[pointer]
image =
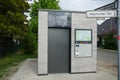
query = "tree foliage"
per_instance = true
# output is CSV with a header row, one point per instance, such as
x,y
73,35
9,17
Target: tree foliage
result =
x,y
12,17
41,4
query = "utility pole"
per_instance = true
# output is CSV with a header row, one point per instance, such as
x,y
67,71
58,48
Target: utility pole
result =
x,y
118,12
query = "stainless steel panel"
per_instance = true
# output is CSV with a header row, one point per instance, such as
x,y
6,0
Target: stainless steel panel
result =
x,y
58,50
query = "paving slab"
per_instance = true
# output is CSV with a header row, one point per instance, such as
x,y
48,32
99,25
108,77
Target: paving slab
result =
x,y
28,71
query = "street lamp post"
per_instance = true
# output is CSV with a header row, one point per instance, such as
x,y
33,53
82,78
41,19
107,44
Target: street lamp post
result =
x,y
118,39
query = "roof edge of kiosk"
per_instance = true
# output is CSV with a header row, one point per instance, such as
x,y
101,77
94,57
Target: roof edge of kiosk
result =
x,y
61,10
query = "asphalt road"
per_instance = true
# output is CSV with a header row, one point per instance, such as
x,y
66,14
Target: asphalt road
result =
x,y
107,56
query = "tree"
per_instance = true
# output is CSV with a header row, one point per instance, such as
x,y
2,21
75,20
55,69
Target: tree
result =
x,y
41,4
12,18
12,25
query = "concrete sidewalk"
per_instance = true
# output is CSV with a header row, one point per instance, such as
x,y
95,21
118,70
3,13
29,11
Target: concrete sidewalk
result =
x,y
28,71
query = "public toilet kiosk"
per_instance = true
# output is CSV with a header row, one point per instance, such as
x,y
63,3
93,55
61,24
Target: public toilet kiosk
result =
x,y
67,42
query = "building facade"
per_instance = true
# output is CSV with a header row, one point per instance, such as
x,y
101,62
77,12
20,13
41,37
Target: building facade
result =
x,y
109,25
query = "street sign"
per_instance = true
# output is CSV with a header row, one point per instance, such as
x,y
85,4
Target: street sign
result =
x,y
101,13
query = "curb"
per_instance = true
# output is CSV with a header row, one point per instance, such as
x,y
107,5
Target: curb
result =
x,y
107,50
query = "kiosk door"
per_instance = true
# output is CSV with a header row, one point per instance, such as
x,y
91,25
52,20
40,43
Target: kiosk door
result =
x,y
58,50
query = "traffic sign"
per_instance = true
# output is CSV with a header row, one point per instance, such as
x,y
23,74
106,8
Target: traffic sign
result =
x,y
101,13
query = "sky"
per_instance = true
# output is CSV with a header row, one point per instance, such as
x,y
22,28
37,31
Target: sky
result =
x,y
82,5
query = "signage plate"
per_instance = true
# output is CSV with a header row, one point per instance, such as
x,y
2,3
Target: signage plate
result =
x,y
101,13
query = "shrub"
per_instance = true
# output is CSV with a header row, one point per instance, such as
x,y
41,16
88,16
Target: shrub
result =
x,y
110,41
30,43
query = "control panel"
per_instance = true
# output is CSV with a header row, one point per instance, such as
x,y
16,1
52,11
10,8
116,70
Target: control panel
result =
x,y
83,43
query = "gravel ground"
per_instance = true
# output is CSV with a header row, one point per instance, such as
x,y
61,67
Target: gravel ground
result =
x,y
28,71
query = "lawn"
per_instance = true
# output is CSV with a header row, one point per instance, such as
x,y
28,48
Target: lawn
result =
x,y
12,60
